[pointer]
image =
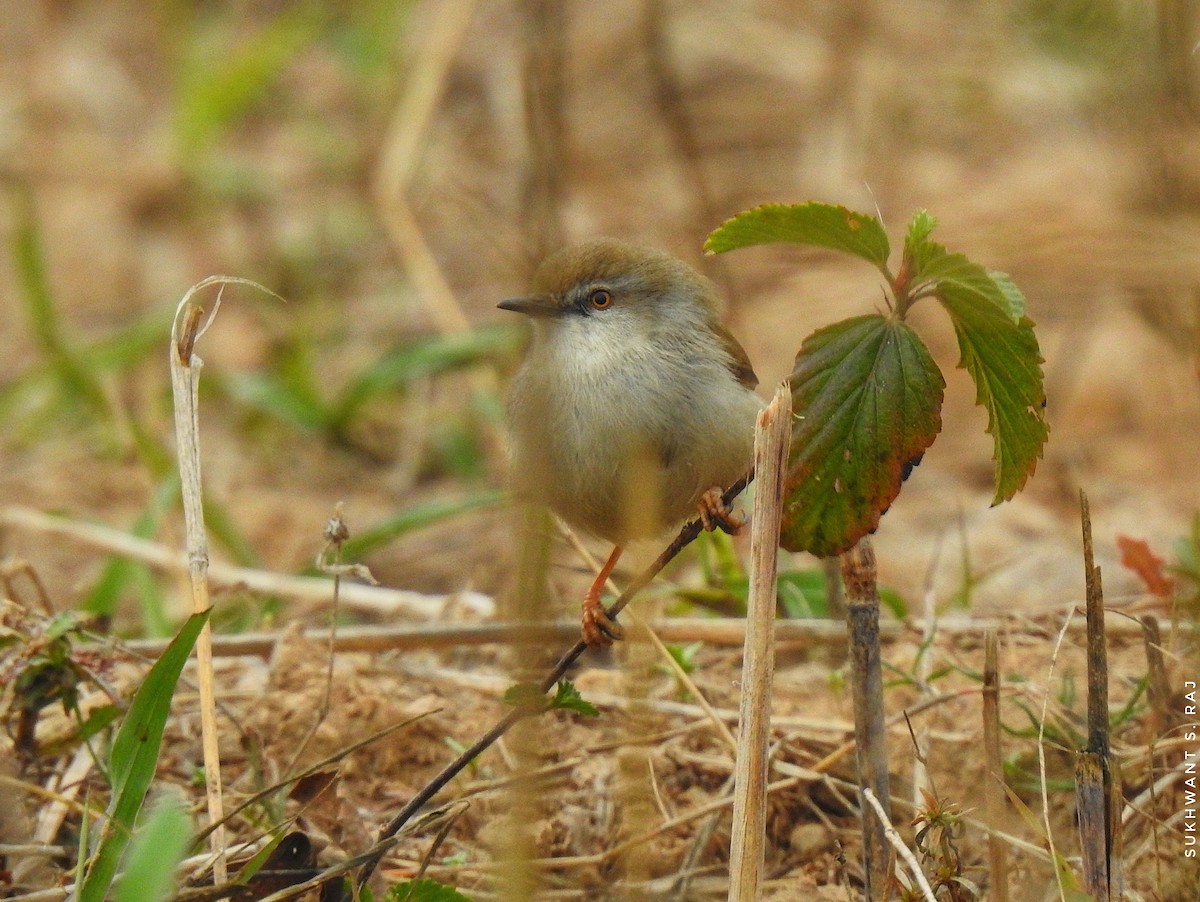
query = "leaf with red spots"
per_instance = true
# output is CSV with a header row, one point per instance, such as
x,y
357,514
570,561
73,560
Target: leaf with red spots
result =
x,y
1137,556
867,400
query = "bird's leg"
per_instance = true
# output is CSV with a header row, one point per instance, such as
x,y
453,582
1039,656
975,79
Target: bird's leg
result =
x,y
598,628
715,513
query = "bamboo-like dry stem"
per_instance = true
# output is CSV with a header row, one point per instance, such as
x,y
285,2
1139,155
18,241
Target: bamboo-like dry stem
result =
x,y
185,382
993,787
870,733
750,781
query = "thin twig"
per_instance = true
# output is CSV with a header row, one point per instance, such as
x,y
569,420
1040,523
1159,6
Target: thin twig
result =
x,y
1041,747
336,534
898,844
375,599
686,535
994,768
652,633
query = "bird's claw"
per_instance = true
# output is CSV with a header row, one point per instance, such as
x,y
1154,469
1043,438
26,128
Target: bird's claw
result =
x,y
599,629
715,513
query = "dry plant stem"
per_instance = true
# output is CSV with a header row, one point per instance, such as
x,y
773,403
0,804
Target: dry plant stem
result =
x,y
898,844
1041,747
185,381
1096,814
1158,689
336,533
311,589
771,435
687,534
870,733
994,764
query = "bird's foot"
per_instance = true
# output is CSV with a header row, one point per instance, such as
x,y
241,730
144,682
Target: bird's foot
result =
x,y
716,514
599,630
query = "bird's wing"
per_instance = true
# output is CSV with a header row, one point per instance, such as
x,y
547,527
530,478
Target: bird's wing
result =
x,y
739,363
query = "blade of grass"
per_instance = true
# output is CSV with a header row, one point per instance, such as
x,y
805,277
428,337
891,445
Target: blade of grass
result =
x,y
134,758
418,517
157,850
119,572
76,379
427,357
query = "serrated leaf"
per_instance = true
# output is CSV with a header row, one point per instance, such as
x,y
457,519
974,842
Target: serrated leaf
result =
x,y
867,399
923,223
823,225
567,698
1004,361
526,695
944,271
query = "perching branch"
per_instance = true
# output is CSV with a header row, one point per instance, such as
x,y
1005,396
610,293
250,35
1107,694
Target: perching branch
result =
x,y
687,534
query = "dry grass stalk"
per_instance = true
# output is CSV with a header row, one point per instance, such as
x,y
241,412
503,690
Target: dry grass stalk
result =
x,y
749,795
993,786
185,383
314,590
870,733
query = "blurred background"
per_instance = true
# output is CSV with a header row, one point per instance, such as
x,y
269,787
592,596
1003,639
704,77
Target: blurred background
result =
x,y
393,169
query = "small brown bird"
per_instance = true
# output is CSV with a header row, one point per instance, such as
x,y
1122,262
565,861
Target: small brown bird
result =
x,y
628,360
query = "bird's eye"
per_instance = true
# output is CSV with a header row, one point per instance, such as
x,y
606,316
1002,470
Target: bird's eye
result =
x,y
600,298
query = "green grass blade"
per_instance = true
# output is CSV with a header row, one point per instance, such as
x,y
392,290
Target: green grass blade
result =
x,y
77,381
427,357
118,572
134,758
415,518
157,850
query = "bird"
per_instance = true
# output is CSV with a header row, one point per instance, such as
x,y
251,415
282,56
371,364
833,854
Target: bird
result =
x,y
628,363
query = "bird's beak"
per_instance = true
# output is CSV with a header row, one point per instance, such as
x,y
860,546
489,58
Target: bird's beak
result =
x,y
531,306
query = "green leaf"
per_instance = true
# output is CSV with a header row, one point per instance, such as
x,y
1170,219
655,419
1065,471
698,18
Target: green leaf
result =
x,y
134,757
823,225
867,400
919,229
941,271
528,696
157,850
425,890
1003,359
567,698
417,517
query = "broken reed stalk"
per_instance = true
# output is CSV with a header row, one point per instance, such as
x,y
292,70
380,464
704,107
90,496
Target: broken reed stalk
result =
x,y
1158,689
994,764
771,436
1097,786
185,381
687,534
870,733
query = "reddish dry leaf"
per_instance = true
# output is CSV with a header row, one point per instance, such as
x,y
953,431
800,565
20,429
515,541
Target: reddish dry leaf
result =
x,y
1137,556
